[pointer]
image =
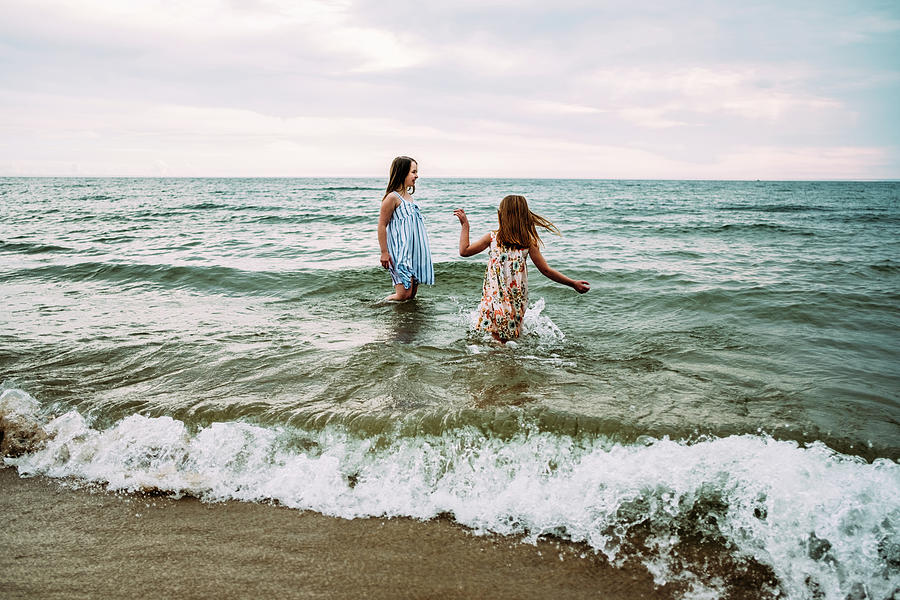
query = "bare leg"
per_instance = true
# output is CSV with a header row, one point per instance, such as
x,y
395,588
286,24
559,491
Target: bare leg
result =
x,y
401,293
414,288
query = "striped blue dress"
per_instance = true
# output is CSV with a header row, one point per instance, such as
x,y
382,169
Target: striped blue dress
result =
x,y
407,243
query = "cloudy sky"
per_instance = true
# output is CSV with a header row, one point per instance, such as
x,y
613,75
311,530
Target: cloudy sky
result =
x,y
787,89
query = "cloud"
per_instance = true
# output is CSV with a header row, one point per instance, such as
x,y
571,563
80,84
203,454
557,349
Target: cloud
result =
x,y
505,88
647,97
651,118
868,27
210,32
772,162
129,139
548,107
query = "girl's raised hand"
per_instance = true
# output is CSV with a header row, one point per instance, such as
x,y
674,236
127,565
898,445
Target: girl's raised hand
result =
x,y
461,215
581,286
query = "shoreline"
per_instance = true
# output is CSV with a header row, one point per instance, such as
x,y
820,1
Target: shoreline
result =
x,y
60,542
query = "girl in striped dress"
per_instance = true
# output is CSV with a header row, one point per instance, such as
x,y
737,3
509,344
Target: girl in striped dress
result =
x,y
401,232
504,295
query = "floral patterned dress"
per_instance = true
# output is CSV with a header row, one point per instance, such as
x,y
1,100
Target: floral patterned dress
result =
x,y
505,292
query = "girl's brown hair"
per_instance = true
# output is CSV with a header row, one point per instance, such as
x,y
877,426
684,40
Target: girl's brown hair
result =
x,y
518,225
400,167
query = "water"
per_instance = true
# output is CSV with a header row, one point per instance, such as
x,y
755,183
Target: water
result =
x,y
731,377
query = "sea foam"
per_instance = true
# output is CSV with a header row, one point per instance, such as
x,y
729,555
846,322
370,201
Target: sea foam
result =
x,y
826,524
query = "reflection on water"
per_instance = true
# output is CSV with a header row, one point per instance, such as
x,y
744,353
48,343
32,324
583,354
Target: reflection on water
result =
x,y
405,321
497,377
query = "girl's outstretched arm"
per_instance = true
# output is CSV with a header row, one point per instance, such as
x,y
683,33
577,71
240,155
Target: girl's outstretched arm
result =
x,y
465,248
388,204
538,259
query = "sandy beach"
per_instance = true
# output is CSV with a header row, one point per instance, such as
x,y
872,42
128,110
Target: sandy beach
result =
x,y
59,542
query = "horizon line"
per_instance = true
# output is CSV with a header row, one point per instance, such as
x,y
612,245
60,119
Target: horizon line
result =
x,y
735,179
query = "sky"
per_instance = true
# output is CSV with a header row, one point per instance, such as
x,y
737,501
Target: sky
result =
x,y
788,89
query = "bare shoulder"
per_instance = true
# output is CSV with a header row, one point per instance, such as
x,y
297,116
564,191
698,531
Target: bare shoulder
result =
x,y
390,200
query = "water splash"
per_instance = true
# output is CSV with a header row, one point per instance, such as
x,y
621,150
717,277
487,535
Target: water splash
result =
x,y
20,429
535,324
540,325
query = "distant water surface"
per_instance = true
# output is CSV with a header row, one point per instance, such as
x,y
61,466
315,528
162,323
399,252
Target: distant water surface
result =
x,y
740,345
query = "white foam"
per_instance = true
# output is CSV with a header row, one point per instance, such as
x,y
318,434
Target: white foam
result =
x,y
540,325
16,403
772,500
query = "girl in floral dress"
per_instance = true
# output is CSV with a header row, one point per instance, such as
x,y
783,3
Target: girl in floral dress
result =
x,y
505,290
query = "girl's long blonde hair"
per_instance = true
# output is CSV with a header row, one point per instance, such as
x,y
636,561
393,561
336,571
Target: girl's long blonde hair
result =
x,y
518,225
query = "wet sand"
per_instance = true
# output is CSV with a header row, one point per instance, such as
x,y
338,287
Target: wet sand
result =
x,y
57,542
